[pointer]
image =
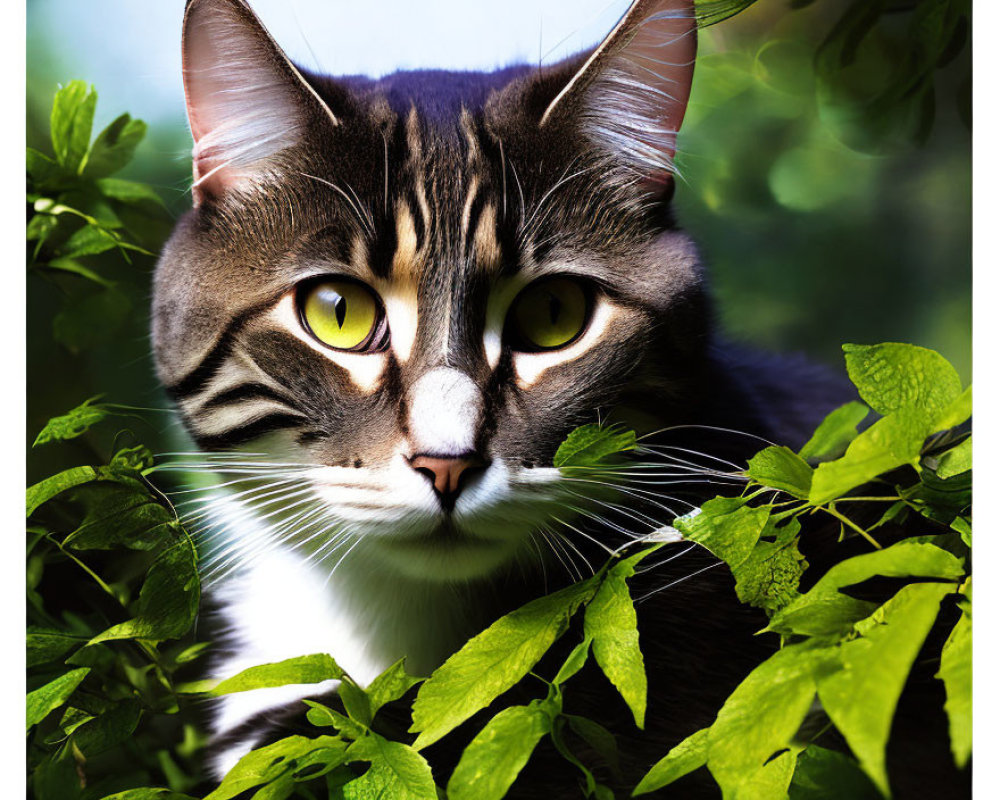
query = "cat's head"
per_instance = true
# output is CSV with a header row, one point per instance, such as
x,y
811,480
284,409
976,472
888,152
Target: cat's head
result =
x,y
409,290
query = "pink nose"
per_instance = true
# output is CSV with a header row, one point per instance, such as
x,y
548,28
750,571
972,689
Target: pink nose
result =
x,y
447,474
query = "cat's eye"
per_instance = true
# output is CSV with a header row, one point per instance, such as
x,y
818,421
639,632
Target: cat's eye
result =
x,y
549,314
343,314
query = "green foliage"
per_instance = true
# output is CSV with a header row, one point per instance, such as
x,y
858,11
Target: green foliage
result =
x,y
110,692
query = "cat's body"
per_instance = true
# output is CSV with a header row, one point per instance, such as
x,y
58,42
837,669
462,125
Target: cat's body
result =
x,y
393,301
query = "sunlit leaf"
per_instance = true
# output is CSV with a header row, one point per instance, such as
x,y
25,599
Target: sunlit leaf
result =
x,y
956,672
837,430
780,468
114,147
49,697
71,123
589,445
686,757
397,771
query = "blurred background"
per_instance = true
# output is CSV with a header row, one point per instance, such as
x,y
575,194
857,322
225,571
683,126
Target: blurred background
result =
x,y
825,161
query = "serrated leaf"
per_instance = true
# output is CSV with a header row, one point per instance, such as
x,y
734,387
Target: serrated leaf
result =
x,y
390,686
726,527
269,763
325,717
891,377
589,445
837,430
493,661
889,443
45,490
956,461
71,123
610,621
684,758
47,645
168,600
120,514
355,702
598,738
498,753
315,668
769,577
762,716
73,423
114,147
109,729
780,468
397,771
956,673
824,609
875,666
46,699
822,774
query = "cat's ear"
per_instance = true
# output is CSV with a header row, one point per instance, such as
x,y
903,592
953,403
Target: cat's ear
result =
x,y
630,95
246,101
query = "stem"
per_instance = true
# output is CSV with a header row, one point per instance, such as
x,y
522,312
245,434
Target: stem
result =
x,y
832,511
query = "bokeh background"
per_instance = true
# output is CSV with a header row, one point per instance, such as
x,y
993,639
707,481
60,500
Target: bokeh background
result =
x,y
825,161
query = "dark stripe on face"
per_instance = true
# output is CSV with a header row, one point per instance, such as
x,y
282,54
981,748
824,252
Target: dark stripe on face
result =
x,y
413,204
478,203
196,379
241,434
245,391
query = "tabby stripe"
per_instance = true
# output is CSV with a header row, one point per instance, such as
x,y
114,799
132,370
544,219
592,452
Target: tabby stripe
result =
x,y
245,391
419,229
196,379
241,434
475,212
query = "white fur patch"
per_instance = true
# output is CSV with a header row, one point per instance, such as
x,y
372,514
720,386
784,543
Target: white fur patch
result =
x,y
445,411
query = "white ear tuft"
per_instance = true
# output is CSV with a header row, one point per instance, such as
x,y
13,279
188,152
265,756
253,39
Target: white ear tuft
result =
x,y
631,94
246,101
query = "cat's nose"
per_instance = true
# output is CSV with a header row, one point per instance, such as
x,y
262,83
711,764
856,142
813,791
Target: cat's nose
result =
x,y
448,474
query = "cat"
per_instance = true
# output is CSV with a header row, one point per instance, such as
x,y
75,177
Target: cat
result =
x,y
392,301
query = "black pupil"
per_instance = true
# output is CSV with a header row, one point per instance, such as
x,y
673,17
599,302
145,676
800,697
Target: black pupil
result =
x,y
340,310
555,308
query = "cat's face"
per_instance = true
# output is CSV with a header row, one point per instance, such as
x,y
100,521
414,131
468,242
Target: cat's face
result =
x,y
410,290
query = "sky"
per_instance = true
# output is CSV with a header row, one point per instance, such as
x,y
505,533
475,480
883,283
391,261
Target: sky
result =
x,y
130,49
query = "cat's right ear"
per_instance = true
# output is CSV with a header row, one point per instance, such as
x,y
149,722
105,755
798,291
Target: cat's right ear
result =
x,y
246,101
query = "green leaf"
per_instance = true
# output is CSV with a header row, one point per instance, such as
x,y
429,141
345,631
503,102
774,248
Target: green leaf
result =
x,y
42,701
597,737
874,667
835,432
355,702
65,264
389,686
324,717
74,423
498,753
56,778
493,661
610,621
824,609
120,514
956,672
590,444
148,794
780,468
957,412
822,774
47,645
168,600
71,123
43,171
891,377
686,757
314,668
45,490
956,461
726,527
397,771
769,577
88,241
762,716
270,763
889,443
574,662
109,729
114,147
130,192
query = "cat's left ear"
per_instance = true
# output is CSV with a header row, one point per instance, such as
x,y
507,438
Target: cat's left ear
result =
x,y
630,95
246,101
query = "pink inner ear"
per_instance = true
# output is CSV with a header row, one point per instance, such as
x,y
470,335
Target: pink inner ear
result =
x,y
661,55
244,99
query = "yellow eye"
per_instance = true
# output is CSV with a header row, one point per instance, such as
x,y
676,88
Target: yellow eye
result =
x,y
343,314
548,314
